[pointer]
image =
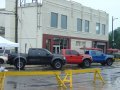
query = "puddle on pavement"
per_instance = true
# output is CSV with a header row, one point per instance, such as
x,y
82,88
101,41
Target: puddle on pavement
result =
x,y
111,76
76,86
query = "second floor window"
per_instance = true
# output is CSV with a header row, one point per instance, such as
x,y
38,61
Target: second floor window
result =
x,y
79,24
86,26
97,28
54,19
103,29
63,21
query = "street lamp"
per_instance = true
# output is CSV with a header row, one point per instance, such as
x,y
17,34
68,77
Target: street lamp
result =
x,y
113,31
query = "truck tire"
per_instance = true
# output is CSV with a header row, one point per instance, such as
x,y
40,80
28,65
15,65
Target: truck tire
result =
x,y
22,64
109,62
1,61
86,63
57,65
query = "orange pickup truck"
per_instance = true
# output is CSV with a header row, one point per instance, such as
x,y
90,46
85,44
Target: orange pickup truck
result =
x,y
73,57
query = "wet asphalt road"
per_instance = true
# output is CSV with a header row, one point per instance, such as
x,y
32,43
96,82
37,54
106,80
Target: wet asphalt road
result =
x,y
111,75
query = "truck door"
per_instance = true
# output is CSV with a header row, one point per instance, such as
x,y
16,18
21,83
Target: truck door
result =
x,y
68,56
73,57
44,57
33,57
76,57
98,56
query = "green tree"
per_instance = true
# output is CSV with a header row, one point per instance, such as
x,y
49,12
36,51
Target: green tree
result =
x,y
116,38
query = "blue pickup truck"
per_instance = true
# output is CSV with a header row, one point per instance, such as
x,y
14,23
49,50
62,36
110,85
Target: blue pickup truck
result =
x,y
100,57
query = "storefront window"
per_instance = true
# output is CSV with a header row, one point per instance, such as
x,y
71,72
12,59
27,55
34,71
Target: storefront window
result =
x,y
55,43
48,44
64,43
60,43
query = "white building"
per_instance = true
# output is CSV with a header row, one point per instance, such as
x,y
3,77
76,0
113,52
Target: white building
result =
x,y
57,24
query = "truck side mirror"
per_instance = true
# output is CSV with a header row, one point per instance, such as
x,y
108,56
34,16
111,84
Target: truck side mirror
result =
x,y
102,54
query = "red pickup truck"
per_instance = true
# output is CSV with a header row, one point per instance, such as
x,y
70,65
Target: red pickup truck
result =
x,y
73,57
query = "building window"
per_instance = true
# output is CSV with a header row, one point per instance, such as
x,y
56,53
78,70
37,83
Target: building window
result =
x,y
2,30
86,26
78,43
103,29
79,24
63,21
83,43
54,19
97,28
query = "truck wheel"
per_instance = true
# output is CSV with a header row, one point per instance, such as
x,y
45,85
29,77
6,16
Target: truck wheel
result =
x,y
57,64
20,65
86,63
103,63
109,62
1,61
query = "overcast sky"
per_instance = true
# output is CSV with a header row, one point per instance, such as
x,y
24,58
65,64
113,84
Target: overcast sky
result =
x,y
110,6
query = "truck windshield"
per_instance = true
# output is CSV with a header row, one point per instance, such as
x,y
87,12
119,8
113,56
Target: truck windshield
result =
x,y
48,51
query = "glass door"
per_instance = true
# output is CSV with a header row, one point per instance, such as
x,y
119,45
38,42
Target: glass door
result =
x,y
56,49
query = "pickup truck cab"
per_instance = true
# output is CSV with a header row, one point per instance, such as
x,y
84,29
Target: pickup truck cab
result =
x,y
36,56
73,57
100,57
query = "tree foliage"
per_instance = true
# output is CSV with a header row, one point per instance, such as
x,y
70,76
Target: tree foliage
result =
x,y
116,38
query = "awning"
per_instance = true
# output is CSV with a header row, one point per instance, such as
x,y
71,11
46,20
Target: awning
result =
x,y
112,50
90,48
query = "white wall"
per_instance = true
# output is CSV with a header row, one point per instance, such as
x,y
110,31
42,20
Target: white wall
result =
x,y
28,32
10,20
2,18
73,11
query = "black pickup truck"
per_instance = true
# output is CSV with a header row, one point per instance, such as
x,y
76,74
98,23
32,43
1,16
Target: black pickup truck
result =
x,y
36,56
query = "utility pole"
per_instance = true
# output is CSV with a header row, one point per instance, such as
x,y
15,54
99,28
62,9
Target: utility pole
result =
x,y
16,24
112,34
113,31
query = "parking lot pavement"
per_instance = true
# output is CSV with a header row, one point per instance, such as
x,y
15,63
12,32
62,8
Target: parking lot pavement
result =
x,y
111,75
